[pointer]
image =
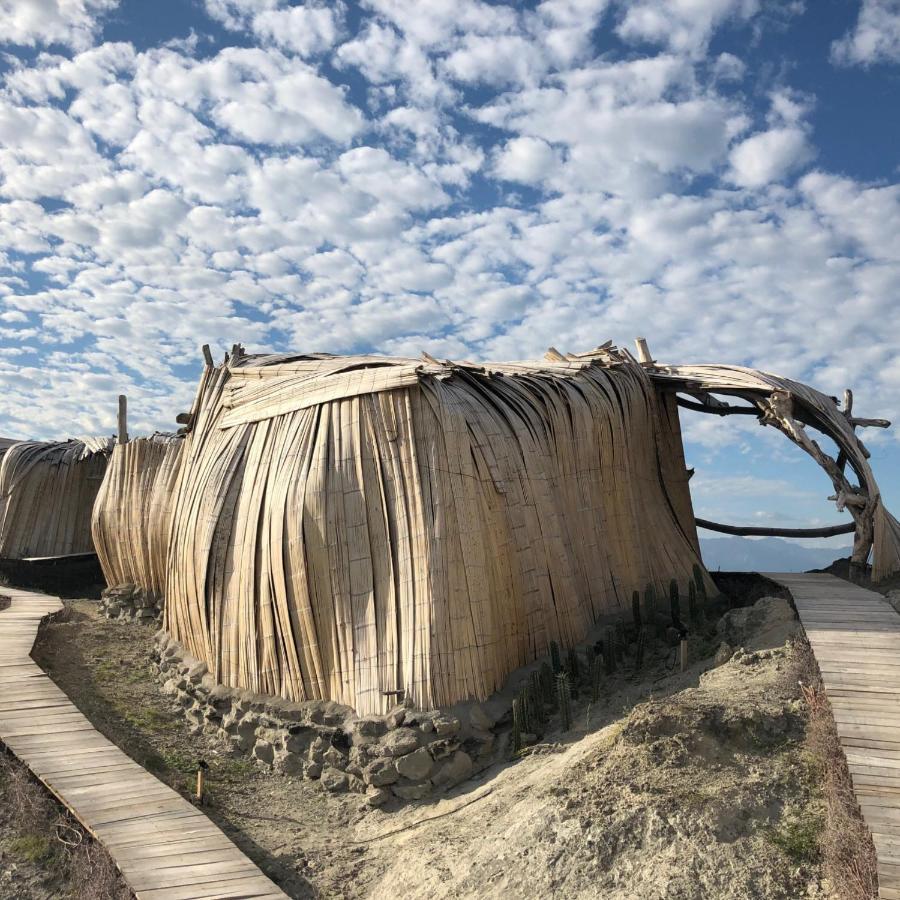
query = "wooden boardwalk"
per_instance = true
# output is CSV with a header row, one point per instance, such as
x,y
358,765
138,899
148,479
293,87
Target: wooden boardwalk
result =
x,y
855,636
165,848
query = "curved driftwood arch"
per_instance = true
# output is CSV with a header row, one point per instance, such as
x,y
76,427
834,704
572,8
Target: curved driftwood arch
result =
x,y
791,407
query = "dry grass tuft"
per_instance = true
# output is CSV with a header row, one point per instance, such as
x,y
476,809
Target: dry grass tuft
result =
x,y
846,843
47,836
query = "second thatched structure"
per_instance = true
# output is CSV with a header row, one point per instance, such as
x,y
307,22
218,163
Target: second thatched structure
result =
x,y
47,491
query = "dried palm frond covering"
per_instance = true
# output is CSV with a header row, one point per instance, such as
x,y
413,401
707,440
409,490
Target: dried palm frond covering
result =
x,y
47,491
364,528
133,511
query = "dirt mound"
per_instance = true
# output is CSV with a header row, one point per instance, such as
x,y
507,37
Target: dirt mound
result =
x,y
766,624
703,794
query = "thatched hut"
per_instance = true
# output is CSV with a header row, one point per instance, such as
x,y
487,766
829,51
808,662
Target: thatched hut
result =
x,y
362,528
133,512
47,491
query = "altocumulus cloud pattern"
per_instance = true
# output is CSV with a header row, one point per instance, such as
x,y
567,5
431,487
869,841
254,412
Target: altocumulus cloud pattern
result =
x,y
478,180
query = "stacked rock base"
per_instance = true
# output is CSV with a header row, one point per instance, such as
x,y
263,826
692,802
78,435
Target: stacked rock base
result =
x,y
404,755
131,603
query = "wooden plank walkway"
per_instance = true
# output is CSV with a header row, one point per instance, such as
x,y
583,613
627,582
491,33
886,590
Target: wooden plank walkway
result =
x,y
165,848
855,636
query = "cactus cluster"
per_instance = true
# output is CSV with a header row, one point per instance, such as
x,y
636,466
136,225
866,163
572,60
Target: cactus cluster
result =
x,y
555,684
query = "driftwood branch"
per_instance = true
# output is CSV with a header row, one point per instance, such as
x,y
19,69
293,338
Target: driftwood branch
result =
x,y
792,407
759,531
719,408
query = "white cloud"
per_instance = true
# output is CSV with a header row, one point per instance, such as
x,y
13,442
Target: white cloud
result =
x,y
525,159
71,23
304,29
497,60
875,38
685,26
768,157
307,29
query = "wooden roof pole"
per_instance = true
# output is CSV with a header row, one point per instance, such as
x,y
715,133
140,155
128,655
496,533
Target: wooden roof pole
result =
x,y
123,419
755,530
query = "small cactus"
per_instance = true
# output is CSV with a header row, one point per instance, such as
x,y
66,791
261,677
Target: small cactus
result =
x,y
621,643
675,604
537,702
636,609
693,613
650,606
517,725
701,591
527,714
555,660
609,650
596,672
547,687
564,699
639,650
573,665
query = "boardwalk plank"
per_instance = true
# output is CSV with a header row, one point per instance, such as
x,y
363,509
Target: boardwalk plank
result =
x,y
165,848
855,636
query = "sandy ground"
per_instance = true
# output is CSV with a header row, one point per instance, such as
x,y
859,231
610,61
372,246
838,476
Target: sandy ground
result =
x,y
692,785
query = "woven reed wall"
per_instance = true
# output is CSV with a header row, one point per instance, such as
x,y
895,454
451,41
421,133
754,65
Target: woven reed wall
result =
x,y
47,491
345,534
133,512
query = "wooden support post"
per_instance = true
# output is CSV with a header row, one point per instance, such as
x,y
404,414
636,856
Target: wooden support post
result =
x,y
207,356
201,782
643,351
684,654
123,419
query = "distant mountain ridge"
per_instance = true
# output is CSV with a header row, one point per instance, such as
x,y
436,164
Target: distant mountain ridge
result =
x,y
738,554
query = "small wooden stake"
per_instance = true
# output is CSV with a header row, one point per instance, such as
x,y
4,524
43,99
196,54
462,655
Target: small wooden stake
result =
x,y
684,655
201,781
123,419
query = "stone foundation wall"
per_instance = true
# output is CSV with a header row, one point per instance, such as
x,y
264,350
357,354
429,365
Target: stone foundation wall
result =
x,y
131,603
404,755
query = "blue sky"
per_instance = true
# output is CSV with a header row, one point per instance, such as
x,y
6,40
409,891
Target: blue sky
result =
x,y
478,180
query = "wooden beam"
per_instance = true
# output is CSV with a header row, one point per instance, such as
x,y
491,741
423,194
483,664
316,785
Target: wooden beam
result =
x,y
207,356
756,531
643,352
722,409
123,419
